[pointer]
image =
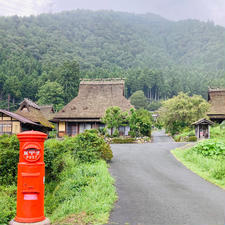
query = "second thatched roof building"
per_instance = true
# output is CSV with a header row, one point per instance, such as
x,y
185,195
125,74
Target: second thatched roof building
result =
x,y
86,110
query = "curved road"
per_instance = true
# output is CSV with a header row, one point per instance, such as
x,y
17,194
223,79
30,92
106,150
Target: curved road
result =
x,y
155,189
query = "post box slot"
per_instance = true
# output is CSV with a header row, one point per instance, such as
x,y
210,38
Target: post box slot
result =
x,y
30,197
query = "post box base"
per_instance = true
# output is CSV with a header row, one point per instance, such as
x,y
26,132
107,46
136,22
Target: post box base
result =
x,y
44,222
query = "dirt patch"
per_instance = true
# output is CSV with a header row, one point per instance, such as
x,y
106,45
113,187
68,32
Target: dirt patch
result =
x,y
75,219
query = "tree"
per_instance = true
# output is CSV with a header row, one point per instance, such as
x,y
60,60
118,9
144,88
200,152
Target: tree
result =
x,y
69,77
140,122
138,100
114,118
51,93
181,111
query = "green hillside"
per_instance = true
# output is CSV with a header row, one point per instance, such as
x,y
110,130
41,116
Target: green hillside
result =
x,y
155,55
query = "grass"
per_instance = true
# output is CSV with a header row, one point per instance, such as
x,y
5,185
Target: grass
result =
x,y
85,194
211,169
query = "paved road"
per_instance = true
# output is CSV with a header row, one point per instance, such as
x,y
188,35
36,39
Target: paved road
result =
x,y
155,189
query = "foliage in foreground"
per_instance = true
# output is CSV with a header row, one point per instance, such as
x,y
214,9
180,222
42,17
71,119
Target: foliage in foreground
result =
x,y
81,188
77,179
181,111
7,203
9,157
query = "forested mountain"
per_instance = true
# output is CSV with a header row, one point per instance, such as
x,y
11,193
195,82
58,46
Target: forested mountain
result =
x,y
155,55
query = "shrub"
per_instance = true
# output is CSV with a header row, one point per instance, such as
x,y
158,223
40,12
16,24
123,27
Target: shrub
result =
x,y
123,140
210,148
52,134
192,138
9,158
140,122
90,147
7,204
53,155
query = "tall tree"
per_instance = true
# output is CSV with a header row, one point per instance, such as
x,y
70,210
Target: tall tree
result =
x,y
68,75
138,100
51,93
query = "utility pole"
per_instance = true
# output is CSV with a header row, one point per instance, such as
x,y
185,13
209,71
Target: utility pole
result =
x,y
8,102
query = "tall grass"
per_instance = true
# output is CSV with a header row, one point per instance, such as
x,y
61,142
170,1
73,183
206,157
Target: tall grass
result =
x,y
211,169
83,188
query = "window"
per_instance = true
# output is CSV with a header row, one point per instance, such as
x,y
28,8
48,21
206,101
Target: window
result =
x,y
5,128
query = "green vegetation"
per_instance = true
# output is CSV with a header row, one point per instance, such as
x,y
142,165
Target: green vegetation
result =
x,y
206,159
181,111
81,188
123,140
140,122
157,56
187,134
9,157
114,118
51,93
138,100
78,184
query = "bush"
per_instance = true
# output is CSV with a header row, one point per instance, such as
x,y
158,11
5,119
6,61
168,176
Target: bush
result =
x,y
52,134
123,140
90,147
210,148
7,204
192,138
9,158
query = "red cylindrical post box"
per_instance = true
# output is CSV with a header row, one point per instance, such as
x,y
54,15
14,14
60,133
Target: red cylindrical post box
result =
x,y
31,177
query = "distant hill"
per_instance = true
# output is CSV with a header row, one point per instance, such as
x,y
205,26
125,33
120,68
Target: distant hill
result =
x,y
109,41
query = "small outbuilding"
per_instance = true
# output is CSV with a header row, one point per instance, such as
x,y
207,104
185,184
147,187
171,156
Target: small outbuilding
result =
x,y
202,128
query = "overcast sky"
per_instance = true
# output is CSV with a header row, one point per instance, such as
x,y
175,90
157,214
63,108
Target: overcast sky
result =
x,y
213,10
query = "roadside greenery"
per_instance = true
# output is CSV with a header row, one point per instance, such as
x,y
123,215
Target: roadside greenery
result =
x,y
207,157
186,135
77,179
207,164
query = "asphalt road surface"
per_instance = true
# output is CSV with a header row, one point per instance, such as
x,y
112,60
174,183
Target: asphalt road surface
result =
x,y
155,189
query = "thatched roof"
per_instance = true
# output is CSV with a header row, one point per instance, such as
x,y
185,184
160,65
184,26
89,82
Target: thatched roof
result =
x,y
47,111
17,117
31,111
94,97
216,98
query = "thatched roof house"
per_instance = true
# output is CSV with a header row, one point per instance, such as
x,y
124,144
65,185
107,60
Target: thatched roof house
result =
x,y
216,98
12,123
86,110
30,110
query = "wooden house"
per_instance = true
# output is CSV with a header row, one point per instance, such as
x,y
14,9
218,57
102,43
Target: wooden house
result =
x,y
12,123
216,98
33,112
86,110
